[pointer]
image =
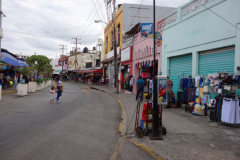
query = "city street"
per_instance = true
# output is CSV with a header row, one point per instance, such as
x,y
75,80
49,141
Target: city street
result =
x,y
83,126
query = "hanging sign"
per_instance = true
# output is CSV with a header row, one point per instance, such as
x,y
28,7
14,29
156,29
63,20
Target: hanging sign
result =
x,y
146,30
162,90
158,39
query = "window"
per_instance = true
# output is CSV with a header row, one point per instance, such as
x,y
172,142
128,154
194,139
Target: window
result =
x,y
118,35
97,62
89,65
106,50
112,40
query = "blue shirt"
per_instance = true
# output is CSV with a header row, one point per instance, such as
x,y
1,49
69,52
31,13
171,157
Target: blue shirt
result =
x,y
140,81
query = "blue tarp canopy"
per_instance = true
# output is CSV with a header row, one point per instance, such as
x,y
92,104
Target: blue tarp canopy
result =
x,y
7,58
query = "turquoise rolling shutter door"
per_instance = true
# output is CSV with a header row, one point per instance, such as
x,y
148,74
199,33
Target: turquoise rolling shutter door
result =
x,y
179,67
216,62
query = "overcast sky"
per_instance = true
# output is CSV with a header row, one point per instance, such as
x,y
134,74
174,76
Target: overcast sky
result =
x,y
42,25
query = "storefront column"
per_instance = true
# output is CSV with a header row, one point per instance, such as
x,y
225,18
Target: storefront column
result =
x,y
237,49
164,61
195,58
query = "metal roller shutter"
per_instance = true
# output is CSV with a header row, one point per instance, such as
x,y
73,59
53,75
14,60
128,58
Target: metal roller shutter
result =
x,y
221,60
179,67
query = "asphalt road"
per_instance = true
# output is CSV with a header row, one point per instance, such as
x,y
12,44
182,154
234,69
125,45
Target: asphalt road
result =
x,y
83,126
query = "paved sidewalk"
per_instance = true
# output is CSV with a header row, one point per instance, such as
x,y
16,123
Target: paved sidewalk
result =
x,y
189,136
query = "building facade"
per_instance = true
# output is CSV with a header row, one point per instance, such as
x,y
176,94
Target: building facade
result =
x,y
199,40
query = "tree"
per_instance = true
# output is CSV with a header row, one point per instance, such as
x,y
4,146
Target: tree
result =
x,y
43,63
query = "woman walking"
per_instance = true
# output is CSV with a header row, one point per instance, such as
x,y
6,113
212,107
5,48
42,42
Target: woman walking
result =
x,y
58,87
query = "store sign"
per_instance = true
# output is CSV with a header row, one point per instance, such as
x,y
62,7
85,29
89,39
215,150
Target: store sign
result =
x,y
111,54
125,54
141,53
146,30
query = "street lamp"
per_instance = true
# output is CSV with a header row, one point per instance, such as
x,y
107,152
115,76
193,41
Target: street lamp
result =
x,y
116,91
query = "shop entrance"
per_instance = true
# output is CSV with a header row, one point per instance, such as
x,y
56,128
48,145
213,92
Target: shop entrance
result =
x,y
179,67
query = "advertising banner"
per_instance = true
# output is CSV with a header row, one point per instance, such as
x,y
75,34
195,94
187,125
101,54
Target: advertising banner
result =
x,y
162,90
147,30
158,39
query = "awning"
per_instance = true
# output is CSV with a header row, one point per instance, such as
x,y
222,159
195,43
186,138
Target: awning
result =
x,y
7,58
91,71
57,72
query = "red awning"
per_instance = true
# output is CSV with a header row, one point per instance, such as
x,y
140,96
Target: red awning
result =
x,y
91,71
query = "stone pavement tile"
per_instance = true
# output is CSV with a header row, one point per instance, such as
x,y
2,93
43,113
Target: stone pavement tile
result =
x,y
189,136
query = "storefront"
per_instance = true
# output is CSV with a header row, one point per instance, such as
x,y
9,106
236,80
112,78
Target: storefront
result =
x,y
126,66
143,59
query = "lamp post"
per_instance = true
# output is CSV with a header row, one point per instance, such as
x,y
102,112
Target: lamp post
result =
x,y
116,89
155,133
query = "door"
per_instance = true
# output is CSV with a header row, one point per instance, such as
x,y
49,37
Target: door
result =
x,y
179,67
220,60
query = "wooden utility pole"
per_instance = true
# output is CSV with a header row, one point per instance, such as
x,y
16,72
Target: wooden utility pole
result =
x,y
75,53
63,47
115,50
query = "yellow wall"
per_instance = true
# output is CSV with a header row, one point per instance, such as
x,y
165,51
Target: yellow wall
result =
x,y
109,29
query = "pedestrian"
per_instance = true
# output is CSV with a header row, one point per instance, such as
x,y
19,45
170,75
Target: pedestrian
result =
x,y
131,83
169,92
58,87
102,80
52,91
140,86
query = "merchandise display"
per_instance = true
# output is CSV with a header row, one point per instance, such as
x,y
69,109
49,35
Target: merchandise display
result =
x,y
218,92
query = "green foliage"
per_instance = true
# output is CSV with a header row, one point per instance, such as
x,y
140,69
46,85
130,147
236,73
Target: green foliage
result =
x,y
39,81
43,65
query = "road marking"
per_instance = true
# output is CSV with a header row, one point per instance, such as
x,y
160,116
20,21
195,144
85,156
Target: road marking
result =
x,y
8,92
87,92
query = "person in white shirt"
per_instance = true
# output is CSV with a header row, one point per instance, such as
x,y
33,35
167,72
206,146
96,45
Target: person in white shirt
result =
x,y
131,83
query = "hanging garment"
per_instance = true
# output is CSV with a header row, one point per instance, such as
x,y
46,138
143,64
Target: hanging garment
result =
x,y
181,83
212,89
205,89
190,85
229,111
185,96
196,81
237,111
205,99
135,65
197,92
179,97
201,81
186,83
201,93
206,81
191,93
218,107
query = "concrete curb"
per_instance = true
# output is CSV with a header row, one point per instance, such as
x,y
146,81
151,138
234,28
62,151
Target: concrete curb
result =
x,y
121,129
8,92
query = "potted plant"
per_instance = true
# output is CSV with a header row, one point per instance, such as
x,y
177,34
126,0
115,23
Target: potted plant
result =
x,y
39,83
22,89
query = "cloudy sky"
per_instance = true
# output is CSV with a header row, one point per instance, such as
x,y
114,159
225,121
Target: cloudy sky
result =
x,y
42,25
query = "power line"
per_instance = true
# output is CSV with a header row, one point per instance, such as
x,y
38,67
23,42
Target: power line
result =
x,y
91,21
46,32
221,17
97,15
136,14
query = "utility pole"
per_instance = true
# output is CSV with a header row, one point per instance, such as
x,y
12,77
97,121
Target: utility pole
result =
x,y
155,133
63,47
76,53
116,89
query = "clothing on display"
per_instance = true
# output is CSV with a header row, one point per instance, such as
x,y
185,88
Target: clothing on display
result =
x,y
230,111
